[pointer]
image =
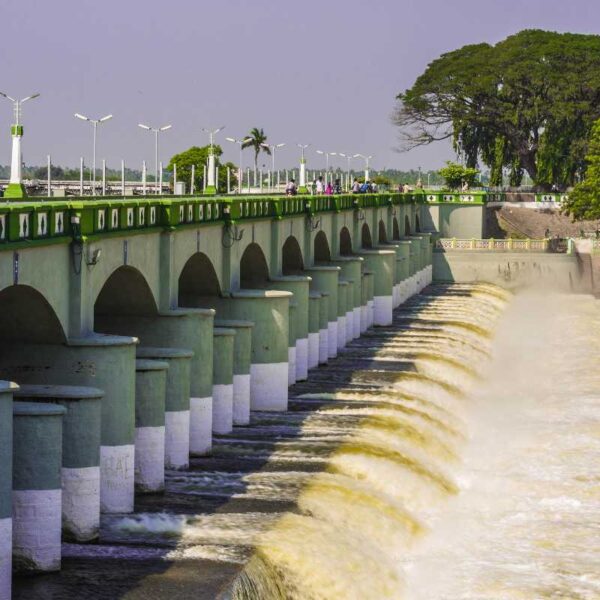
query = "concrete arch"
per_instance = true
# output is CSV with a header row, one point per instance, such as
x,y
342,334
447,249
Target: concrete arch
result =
x,y
26,316
365,234
395,229
382,233
292,262
345,242
125,292
198,280
407,227
322,252
254,269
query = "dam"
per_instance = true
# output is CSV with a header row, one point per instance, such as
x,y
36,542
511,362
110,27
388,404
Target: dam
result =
x,y
289,398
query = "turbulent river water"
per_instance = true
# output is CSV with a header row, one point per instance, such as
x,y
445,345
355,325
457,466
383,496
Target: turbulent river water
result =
x,y
453,455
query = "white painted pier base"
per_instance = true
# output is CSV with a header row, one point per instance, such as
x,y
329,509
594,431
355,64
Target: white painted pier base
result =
x,y
177,439
269,386
150,459
37,529
349,326
81,502
323,346
5,558
241,399
341,332
291,365
370,313
382,310
313,350
117,478
356,320
222,408
332,336
364,317
201,417
301,359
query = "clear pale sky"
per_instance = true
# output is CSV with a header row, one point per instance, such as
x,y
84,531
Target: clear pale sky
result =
x,y
323,72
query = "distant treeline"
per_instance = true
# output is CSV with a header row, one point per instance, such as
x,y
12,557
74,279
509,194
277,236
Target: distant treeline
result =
x,y
67,174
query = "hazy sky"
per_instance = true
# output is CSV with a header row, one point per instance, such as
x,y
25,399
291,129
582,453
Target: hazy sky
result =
x,y
323,72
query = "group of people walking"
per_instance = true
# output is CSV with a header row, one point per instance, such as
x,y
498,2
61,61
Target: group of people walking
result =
x,y
319,187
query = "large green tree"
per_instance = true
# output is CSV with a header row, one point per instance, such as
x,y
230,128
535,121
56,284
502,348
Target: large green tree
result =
x,y
198,156
584,201
525,104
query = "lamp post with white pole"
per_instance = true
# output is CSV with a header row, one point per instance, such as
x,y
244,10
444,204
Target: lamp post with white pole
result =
x,y
95,123
15,188
366,159
348,157
272,148
327,155
240,143
302,183
211,184
155,131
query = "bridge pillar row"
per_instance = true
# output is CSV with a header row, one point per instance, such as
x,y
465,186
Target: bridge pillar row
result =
x,y
351,270
269,311
314,301
323,327
382,263
223,343
242,354
7,389
342,332
299,285
402,270
325,279
292,342
150,397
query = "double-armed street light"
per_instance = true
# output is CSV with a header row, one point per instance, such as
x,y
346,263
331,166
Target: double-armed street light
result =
x,y
95,123
211,186
366,159
302,182
240,143
273,148
15,185
156,131
327,155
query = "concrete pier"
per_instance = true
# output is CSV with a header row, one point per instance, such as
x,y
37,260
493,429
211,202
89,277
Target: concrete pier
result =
x,y
342,334
80,471
314,304
382,263
150,398
223,356
293,309
324,327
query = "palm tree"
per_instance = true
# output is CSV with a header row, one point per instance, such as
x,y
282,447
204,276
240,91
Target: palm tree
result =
x,y
257,139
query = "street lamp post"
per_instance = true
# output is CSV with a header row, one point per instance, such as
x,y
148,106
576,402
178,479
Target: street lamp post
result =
x,y
366,159
327,155
240,143
272,148
95,123
15,188
348,157
155,131
302,183
211,185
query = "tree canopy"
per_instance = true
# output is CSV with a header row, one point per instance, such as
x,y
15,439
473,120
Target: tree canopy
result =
x,y
526,104
455,175
198,156
257,140
584,201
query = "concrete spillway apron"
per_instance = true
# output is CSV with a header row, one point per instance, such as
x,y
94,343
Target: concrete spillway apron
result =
x,y
80,472
324,327
242,353
150,397
382,263
325,279
351,270
7,389
269,311
177,403
314,303
37,458
299,285
223,352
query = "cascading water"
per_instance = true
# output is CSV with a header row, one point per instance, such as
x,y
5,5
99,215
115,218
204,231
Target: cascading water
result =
x,y
431,460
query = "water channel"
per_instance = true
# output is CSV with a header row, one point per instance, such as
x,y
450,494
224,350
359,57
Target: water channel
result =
x,y
452,455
